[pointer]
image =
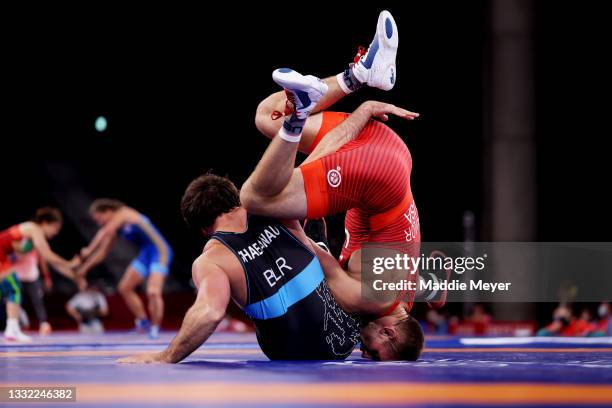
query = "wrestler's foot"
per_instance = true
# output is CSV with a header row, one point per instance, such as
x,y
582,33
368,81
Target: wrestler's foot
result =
x,y
141,326
154,332
44,329
376,66
303,91
16,335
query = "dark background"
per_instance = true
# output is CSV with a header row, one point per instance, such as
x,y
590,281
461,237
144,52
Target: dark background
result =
x,y
179,88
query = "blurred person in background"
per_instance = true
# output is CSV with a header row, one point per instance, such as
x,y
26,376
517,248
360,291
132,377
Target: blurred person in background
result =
x,y
560,326
566,324
151,265
584,325
17,241
479,315
28,269
87,308
603,326
480,318
436,322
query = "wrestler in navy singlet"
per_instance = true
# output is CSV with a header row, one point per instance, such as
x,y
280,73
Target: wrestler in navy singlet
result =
x,y
288,299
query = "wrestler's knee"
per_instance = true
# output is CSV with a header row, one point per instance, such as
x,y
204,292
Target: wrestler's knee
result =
x,y
264,120
154,292
248,197
155,284
124,288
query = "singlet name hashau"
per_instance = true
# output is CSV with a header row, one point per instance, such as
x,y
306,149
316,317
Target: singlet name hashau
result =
x,y
256,249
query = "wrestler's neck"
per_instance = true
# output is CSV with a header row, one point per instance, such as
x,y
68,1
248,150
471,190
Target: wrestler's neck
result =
x,y
232,221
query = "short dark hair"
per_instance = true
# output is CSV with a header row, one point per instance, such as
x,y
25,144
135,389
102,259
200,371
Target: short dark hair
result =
x,y
105,204
206,198
48,215
409,345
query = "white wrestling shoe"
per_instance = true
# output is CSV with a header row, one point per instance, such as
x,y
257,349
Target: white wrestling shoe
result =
x,y
16,335
376,67
303,91
154,332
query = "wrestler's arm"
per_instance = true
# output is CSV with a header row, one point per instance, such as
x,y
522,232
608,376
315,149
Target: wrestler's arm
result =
x,y
97,256
122,216
33,232
201,319
73,312
346,290
103,241
94,244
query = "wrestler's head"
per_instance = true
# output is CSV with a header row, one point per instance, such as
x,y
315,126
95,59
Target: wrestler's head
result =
x,y
49,220
393,337
103,209
206,199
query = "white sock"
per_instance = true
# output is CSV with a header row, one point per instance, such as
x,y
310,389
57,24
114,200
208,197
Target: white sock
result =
x,y
292,128
348,81
342,84
289,137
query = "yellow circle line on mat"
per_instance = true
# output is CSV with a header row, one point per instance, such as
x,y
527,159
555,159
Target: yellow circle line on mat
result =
x,y
345,393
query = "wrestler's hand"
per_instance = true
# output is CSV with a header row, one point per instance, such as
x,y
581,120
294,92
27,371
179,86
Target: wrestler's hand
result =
x,y
382,110
147,358
80,271
84,252
75,261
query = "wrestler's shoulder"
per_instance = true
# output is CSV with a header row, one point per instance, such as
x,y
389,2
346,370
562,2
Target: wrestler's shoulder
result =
x,y
213,249
213,255
217,253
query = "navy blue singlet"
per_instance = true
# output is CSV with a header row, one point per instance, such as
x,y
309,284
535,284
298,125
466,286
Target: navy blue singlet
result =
x,y
288,299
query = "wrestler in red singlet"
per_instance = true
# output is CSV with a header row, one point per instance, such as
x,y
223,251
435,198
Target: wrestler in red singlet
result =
x,y
369,178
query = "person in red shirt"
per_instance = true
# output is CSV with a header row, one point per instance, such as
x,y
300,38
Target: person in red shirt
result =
x,y
21,239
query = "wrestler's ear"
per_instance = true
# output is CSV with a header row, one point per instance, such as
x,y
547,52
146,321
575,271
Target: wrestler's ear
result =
x,y
389,331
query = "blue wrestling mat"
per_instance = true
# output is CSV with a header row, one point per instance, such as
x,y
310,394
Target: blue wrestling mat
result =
x,y
230,370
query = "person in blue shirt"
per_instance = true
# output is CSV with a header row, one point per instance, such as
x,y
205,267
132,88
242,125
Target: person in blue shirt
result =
x,y
151,265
